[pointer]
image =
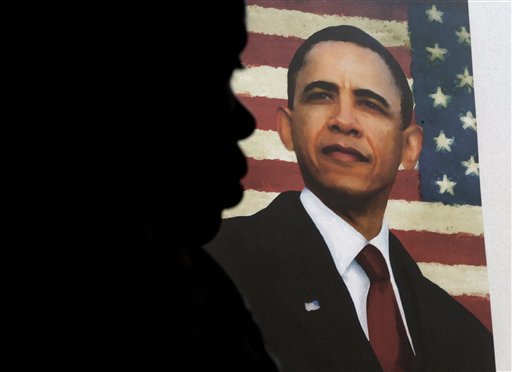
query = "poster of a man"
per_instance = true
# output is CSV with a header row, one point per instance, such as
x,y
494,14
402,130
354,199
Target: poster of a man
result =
x,y
331,287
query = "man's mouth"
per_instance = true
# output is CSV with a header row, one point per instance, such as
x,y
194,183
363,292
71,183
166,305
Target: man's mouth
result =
x,y
342,153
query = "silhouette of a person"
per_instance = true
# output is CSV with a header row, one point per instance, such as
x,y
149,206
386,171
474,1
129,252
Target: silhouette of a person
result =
x,y
169,166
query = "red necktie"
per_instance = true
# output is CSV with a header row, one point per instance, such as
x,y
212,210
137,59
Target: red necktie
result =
x,y
386,330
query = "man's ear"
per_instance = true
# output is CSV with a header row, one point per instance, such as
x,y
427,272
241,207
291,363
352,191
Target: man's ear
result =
x,y
284,126
413,140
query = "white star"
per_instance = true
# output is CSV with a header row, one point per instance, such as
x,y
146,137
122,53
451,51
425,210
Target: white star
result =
x,y
445,185
436,52
464,36
468,121
440,99
466,80
443,142
471,166
434,14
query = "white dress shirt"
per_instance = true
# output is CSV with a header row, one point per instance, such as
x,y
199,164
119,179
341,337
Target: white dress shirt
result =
x,y
345,243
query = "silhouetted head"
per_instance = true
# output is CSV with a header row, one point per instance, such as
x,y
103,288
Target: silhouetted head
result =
x,y
166,115
189,120
219,119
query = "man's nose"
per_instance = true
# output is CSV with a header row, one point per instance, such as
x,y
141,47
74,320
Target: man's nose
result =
x,y
343,120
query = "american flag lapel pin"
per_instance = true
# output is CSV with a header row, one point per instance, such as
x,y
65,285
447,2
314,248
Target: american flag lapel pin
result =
x,y
312,306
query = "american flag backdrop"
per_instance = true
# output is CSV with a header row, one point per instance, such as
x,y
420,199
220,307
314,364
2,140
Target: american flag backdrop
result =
x,y
434,210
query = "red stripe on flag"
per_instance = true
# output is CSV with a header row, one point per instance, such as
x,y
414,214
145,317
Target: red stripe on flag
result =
x,y
277,51
272,176
448,249
377,10
407,186
279,176
479,307
271,50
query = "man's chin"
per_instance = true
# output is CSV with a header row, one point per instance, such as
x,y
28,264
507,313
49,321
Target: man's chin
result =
x,y
211,228
204,227
348,188
232,195
212,220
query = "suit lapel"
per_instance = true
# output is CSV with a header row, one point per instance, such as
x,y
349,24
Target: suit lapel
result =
x,y
315,280
406,275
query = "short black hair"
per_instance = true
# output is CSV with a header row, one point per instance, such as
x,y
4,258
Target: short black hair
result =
x,y
357,36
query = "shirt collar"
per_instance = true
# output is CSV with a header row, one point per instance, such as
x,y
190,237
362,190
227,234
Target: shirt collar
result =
x,y
344,242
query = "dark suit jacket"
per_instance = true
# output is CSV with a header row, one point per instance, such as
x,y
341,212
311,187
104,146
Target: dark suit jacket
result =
x,y
279,261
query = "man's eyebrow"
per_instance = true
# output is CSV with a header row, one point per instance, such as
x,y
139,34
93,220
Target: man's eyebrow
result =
x,y
324,85
371,94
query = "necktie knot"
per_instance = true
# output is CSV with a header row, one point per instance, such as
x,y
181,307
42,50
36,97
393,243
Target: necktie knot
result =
x,y
373,263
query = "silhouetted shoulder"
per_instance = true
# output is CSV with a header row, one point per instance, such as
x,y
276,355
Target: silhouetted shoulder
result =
x,y
218,329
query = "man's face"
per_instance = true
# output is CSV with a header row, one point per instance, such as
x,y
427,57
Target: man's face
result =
x,y
345,126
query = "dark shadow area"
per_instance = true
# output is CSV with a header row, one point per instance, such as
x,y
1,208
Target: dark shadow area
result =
x,y
162,164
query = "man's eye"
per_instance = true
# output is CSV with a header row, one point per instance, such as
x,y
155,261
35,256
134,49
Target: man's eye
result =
x,y
319,96
372,106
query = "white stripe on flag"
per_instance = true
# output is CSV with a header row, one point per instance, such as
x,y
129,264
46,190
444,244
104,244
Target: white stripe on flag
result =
x,y
457,279
434,217
283,22
401,214
263,81
266,144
